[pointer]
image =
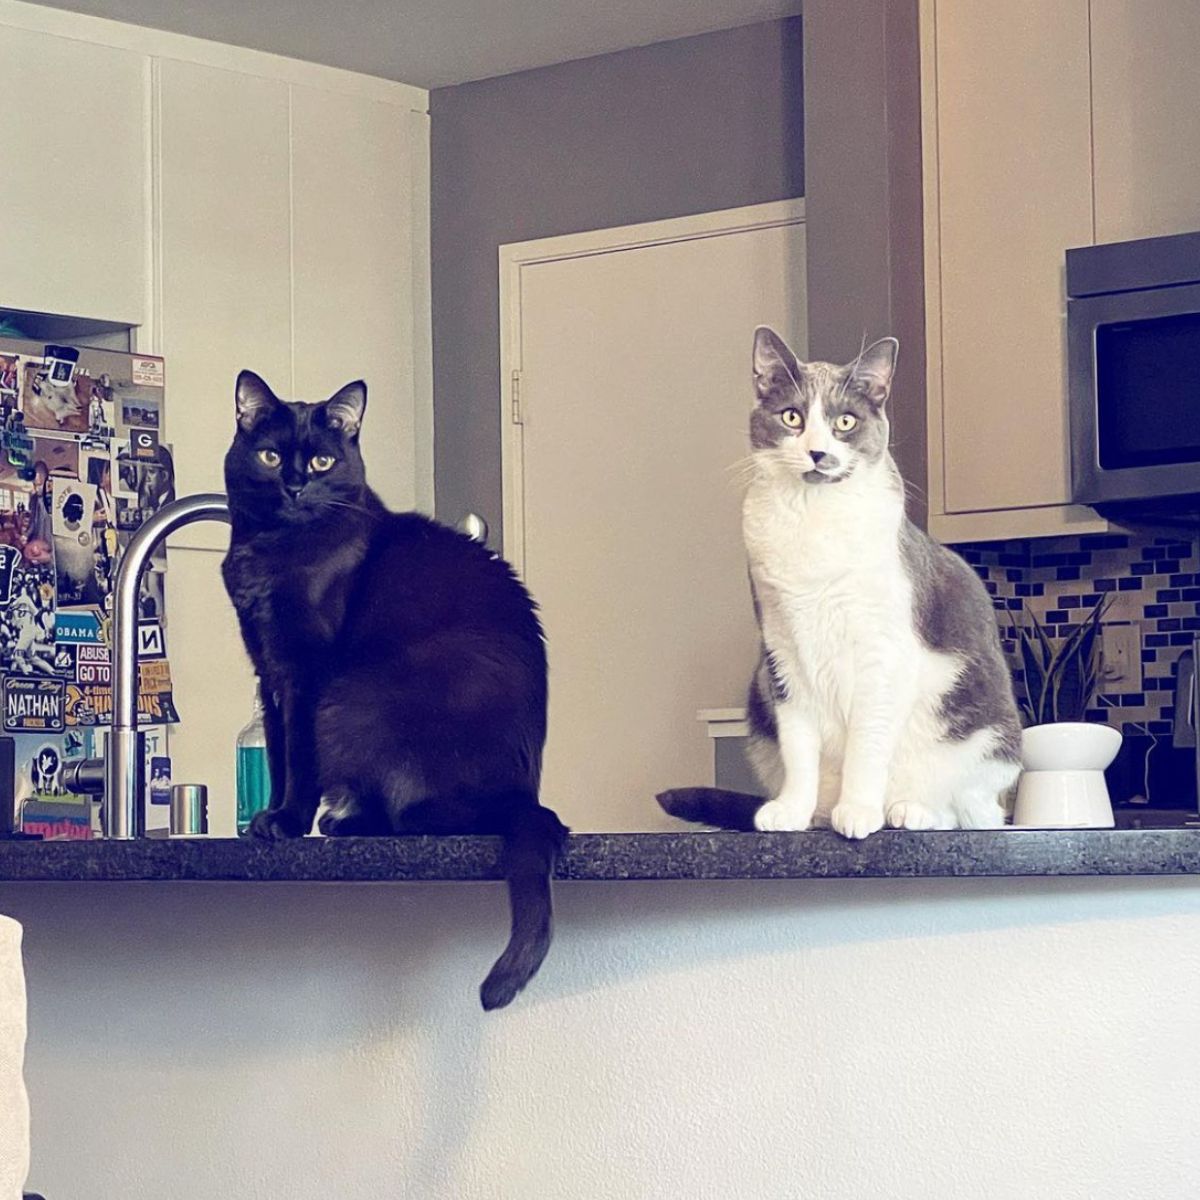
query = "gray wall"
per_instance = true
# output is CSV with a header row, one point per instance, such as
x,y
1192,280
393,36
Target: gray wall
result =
x,y
863,208
680,127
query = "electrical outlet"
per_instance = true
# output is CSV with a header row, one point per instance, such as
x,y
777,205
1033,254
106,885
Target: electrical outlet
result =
x,y
1121,667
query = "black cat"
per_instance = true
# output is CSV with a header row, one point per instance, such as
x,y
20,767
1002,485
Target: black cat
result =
x,y
403,666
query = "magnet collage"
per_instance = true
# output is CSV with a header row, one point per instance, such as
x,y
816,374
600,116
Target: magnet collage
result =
x,y
82,465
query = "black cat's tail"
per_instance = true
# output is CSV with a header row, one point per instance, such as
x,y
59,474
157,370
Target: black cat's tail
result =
x,y
712,806
534,838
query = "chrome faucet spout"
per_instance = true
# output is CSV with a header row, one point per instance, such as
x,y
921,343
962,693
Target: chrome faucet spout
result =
x,y
124,792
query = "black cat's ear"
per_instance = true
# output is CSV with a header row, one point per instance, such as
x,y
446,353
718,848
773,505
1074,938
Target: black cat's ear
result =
x,y
254,400
775,366
344,409
872,371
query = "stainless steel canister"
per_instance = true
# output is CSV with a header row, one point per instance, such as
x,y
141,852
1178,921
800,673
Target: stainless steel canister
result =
x,y
189,809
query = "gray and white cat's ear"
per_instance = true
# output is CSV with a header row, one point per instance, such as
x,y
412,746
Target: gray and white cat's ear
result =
x,y
775,366
872,371
254,400
345,408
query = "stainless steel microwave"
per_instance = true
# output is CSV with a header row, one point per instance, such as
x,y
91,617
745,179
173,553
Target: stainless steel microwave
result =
x,y
1133,332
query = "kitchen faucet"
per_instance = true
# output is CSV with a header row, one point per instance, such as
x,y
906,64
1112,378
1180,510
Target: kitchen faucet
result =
x,y
121,773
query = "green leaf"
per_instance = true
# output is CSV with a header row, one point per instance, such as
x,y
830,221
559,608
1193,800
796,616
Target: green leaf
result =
x,y
1036,653
1061,679
1069,690
1035,674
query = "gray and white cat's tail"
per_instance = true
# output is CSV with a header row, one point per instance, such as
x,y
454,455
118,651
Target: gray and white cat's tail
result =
x,y
534,838
712,806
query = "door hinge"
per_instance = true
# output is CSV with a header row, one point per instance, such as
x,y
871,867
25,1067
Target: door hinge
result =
x,y
516,398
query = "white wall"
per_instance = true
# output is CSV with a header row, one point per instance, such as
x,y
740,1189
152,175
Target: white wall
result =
x,y
990,1039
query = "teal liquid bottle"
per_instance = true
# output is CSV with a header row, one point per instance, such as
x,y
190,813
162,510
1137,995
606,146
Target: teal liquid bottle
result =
x,y
253,771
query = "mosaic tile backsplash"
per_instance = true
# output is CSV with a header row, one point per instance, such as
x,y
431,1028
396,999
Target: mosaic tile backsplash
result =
x,y
1154,581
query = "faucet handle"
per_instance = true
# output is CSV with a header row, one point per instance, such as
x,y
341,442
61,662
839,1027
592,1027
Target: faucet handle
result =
x,y
474,526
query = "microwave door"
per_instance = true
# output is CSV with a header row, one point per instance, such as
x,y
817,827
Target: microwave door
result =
x,y
1134,380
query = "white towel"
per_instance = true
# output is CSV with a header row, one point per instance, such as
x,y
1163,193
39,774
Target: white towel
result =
x,y
14,1104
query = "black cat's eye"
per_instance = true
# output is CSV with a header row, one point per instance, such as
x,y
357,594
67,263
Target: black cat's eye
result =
x,y
792,418
269,458
321,462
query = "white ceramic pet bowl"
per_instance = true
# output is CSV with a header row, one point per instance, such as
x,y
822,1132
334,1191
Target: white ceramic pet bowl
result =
x,y
1069,746
1062,786
1063,800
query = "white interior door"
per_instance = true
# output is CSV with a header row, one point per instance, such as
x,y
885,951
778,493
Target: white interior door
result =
x,y
633,350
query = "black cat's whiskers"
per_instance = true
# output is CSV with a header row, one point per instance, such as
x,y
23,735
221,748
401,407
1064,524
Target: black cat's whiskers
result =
x,y
331,502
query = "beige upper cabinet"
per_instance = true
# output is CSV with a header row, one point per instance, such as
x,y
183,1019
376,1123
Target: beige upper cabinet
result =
x,y
225,246
73,189
1007,140
353,259
1146,117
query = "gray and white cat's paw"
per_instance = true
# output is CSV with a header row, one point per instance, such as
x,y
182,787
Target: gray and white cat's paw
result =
x,y
782,816
980,812
854,819
912,814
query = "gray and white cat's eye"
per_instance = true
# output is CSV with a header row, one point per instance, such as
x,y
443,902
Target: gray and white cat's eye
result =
x,y
269,458
792,418
844,422
320,463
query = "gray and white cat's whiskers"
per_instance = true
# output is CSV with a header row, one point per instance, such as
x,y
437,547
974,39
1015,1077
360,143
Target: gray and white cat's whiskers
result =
x,y
743,470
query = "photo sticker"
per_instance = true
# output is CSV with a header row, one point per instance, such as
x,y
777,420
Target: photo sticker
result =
x,y
27,624
137,410
160,779
73,506
56,402
81,552
145,484
101,422
10,379
58,455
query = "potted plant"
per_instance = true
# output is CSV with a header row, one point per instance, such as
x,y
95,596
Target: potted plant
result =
x,y
1064,755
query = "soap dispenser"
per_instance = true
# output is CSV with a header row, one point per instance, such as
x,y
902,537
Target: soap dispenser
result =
x,y
253,770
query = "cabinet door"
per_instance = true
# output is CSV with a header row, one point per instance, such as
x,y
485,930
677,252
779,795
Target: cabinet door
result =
x,y
1014,187
1146,117
73,186
225,246
225,305
353,263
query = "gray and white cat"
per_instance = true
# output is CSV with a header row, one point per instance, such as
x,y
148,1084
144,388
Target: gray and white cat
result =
x,y
882,694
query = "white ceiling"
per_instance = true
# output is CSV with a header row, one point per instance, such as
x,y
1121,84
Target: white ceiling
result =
x,y
432,43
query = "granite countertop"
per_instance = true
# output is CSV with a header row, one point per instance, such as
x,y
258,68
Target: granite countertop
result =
x,y
616,856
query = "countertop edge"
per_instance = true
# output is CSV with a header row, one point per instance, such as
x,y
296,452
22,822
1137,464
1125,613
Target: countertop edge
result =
x,y
616,857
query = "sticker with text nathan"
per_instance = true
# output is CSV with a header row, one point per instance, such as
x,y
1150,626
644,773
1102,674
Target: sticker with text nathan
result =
x,y
34,705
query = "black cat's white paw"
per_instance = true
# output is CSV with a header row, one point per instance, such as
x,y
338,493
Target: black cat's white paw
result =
x,y
343,814
276,825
